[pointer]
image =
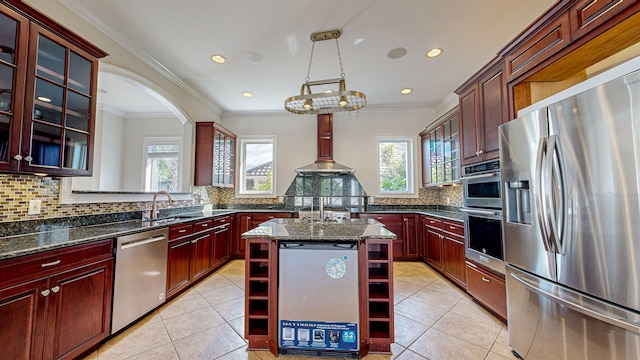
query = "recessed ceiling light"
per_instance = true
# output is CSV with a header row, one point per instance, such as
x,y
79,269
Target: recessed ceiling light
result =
x,y
434,52
253,57
247,94
397,53
219,59
44,99
406,91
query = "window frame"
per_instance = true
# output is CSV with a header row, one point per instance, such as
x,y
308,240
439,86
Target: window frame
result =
x,y
411,165
241,191
161,140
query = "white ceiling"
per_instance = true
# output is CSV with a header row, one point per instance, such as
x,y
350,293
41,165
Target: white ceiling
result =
x,y
180,36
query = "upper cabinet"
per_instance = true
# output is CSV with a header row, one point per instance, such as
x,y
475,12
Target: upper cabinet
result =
x,y
483,107
48,83
440,151
215,159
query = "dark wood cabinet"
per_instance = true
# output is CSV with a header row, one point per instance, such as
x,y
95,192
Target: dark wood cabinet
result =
x,y
586,15
454,252
51,103
539,46
215,160
222,239
40,298
410,235
247,221
202,244
488,288
433,241
441,150
179,258
396,224
443,241
261,294
378,277
483,108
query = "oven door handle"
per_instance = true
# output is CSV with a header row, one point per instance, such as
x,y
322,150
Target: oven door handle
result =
x,y
479,212
481,176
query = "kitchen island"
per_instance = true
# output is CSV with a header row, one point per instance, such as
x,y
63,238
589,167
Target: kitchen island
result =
x,y
302,279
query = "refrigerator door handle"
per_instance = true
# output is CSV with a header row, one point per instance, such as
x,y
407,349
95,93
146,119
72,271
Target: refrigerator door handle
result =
x,y
553,200
540,213
561,296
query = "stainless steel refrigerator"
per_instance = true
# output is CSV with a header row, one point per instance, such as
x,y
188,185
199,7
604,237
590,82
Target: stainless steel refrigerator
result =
x,y
571,224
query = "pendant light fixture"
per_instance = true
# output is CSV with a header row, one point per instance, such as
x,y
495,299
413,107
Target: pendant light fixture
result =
x,y
328,101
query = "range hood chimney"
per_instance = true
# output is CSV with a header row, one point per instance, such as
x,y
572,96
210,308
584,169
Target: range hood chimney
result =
x,y
324,163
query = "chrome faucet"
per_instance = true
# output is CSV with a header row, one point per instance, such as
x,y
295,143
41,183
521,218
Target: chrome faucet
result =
x,y
154,206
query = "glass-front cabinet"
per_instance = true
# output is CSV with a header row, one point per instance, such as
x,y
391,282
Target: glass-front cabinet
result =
x,y
47,95
14,29
440,151
215,159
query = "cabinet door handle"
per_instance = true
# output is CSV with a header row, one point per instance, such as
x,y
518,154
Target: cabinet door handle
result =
x,y
55,289
28,158
485,279
50,264
452,227
18,157
45,292
182,231
205,225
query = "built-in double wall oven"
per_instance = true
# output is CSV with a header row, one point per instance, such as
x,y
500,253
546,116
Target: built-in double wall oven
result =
x,y
483,214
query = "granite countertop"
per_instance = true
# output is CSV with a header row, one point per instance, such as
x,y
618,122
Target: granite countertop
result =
x,y
59,236
302,229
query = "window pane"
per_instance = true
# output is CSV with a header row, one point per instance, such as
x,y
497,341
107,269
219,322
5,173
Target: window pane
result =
x,y
45,148
257,166
51,60
77,111
6,87
393,166
48,103
75,150
8,30
162,167
79,73
5,132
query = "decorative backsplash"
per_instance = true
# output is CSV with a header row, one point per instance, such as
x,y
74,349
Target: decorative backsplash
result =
x,y
17,189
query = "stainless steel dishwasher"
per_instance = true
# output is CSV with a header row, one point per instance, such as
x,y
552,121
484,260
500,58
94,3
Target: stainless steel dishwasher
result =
x,y
318,298
140,276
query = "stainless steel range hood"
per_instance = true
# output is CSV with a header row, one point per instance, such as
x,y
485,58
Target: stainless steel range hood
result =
x,y
324,163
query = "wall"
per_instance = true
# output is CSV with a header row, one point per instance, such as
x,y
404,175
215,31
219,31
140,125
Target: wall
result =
x,y
354,139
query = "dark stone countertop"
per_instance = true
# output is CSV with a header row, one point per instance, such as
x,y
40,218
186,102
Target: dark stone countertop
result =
x,y
334,231
49,236
63,235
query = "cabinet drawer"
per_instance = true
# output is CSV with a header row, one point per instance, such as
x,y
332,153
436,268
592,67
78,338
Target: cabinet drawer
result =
x,y
180,230
453,227
383,218
221,221
31,266
587,15
432,222
487,288
539,47
262,217
202,225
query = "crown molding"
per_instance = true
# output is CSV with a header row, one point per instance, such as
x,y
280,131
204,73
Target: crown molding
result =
x,y
82,10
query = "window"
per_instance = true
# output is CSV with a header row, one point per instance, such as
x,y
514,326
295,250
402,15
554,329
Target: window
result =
x,y
162,164
395,165
257,166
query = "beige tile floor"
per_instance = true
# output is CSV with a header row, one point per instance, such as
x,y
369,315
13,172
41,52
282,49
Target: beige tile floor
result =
x,y
433,320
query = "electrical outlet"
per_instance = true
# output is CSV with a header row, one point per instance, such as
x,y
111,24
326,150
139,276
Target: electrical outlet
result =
x,y
34,206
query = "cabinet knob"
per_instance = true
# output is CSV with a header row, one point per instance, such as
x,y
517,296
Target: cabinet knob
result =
x,y
485,279
194,241
50,264
55,289
18,157
28,158
480,152
45,292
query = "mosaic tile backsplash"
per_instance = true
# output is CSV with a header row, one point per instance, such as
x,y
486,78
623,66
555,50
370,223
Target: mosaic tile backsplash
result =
x,y
17,189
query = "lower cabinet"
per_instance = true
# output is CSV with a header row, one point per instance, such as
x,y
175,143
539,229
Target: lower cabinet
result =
x,y
487,288
443,241
222,239
56,304
405,226
247,221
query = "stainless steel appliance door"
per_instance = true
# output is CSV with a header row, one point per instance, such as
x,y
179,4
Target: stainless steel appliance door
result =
x,y
483,237
549,321
140,276
313,285
522,151
598,162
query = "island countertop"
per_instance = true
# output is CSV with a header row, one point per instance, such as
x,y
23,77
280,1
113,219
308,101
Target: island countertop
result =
x,y
287,229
